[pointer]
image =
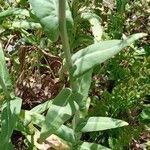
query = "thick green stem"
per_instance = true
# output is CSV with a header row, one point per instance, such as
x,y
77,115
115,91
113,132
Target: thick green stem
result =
x,y
63,33
66,49
65,40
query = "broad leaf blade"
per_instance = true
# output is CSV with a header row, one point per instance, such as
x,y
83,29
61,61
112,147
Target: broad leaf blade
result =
x,y
42,107
3,71
27,117
14,11
60,111
62,98
84,83
24,24
53,122
99,124
47,13
10,112
95,24
95,54
66,134
91,146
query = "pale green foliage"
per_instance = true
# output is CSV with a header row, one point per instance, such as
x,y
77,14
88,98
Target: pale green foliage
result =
x,y
90,146
10,108
10,112
97,53
95,22
98,124
4,75
48,16
62,108
65,115
14,11
23,24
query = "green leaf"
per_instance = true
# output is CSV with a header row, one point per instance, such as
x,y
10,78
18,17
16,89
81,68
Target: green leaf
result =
x,y
42,107
85,40
47,13
24,129
14,11
24,24
56,116
4,75
91,146
84,83
66,134
95,54
37,119
10,112
63,107
145,115
99,124
62,98
28,117
95,24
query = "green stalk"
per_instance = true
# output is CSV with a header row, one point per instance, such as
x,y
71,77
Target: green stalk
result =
x,y
65,41
63,33
66,49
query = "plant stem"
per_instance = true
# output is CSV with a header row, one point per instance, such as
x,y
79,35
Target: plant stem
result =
x,y
63,33
66,49
65,41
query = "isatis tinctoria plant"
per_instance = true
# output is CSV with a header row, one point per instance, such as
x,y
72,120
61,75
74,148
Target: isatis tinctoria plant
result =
x,y
65,115
55,17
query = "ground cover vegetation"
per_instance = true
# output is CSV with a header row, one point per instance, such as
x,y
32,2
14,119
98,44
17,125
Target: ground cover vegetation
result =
x,y
75,75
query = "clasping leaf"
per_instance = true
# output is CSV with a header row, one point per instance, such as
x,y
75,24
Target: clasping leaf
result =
x,y
97,53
